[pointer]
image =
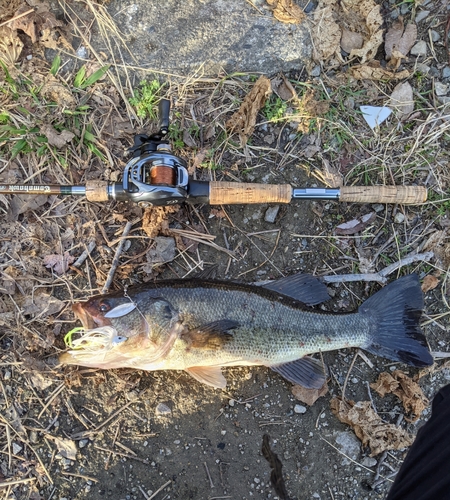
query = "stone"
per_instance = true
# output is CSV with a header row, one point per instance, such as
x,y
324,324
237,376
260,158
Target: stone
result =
x,y
349,444
435,36
423,14
399,217
419,49
440,88
422,68
446,72
209,37
271,213
299,409
315,72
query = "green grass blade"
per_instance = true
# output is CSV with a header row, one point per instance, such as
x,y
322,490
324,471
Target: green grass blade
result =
x,y
56,64
79,77
95,77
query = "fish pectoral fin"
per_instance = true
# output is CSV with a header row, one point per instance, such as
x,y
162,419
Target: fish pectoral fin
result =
x,y
302,287
308,372
209,375
210,336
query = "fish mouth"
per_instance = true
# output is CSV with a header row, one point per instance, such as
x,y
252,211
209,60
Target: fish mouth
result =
x,y
87,319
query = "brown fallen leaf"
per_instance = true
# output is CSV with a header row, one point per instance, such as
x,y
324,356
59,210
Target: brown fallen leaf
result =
x,y
57,92
374,71
430,282
66,447
369,428
10,46
283,88
326,34
243,121
402,99
287,11
35,22
309,396
408,391
55,138
357,24
399,38
351,40
59,263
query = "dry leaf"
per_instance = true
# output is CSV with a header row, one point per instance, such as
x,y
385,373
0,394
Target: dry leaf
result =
x,y
34,22
55,138
283,88
355,225
287,11
10,46
374,71
243,121
402,99
42,304
408,391
351,40
369,427
400,39
155,220
59,263
355,23
326,33
309,396
66,447
430,282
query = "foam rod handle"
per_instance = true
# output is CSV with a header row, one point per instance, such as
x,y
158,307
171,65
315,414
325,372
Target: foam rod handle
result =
x,y
406,195
233,193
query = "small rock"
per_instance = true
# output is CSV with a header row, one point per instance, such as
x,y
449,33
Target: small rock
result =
x,y
423,14
299,409
349,444
435,36
440,88
349,103
16,448
232,402
163,410
395,13
419,49
82,443
444,99
271,214
445,72
434,72
315,72
33,437
423,68
378,207
399,218
369,461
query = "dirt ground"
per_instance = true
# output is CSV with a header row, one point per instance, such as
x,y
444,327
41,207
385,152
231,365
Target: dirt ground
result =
x,y
78,433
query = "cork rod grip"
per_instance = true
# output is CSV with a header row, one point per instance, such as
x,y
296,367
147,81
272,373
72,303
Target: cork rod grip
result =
x,y
233,193
97,190
405,195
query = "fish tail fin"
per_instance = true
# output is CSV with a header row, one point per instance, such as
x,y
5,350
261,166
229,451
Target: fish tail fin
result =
x,y
394,313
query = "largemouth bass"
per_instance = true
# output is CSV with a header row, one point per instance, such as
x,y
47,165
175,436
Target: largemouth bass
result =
x,y
202,325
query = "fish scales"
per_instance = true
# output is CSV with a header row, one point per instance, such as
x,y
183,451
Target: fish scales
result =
x,y
273,328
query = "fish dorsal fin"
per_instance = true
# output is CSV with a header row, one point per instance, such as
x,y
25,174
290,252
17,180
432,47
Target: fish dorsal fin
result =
x,y
210,336
302,287
209,375
308,372
209,273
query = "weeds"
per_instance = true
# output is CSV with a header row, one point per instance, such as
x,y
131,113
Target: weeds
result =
x,y
146,98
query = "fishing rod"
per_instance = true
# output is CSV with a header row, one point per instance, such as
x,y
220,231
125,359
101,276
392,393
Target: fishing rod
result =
x,y
156,177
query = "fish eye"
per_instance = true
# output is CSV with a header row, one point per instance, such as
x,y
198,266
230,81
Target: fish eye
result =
x,y
104,307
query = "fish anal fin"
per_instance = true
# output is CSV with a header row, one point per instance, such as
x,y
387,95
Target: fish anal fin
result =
x,y
210,336
209,375
302,287
308,372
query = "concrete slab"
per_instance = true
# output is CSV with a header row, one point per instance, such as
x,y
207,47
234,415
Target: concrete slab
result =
x,y
180,37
